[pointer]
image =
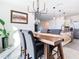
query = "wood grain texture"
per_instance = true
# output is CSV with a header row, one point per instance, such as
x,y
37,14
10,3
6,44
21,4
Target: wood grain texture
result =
x,y
50,39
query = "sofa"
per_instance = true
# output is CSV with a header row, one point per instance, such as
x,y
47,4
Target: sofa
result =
x,y
54,31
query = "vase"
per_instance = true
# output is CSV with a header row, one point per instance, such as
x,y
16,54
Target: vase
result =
x,y
36,27
4,42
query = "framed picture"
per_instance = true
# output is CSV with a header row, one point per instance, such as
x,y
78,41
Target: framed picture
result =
x,y
19,17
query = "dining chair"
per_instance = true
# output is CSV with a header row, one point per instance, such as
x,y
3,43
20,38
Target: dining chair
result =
x,y
23,45
33,48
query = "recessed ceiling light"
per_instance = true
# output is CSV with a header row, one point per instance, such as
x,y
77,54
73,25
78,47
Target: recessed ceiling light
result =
x,y
53,7
59,10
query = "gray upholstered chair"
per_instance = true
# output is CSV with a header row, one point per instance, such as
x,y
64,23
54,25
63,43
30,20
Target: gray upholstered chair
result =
x,y
23,45
33,48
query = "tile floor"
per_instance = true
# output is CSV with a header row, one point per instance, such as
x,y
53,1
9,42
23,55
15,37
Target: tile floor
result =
x,y
74,44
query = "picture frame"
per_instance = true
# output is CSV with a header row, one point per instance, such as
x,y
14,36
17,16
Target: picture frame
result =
x,y
19,17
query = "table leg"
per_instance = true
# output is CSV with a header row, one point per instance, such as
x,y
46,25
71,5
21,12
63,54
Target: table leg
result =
x,y
46,51
61,51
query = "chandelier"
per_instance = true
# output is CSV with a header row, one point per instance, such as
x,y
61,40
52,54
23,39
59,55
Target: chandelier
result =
x,y
37,12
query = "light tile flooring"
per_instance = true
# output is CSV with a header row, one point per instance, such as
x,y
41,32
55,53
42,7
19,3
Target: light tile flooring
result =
x,y
70,53
74,44
71,50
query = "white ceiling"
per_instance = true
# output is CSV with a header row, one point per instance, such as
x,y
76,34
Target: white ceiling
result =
x,y
70,7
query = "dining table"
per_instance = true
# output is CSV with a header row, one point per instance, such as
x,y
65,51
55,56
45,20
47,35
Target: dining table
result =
x,y
50,39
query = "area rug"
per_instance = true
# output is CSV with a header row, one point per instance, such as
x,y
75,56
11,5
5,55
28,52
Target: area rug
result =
x,y
70,53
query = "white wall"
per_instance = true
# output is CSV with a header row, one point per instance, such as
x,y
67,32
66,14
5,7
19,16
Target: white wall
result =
x,y
58,22
55,23
18,5
75,21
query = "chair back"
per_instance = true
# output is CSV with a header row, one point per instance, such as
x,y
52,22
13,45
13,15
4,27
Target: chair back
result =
x,y
30,43
23,44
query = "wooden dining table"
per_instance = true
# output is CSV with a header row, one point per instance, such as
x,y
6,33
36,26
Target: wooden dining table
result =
x,y
50,39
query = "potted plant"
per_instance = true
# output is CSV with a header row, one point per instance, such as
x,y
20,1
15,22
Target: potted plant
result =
x,y
4,35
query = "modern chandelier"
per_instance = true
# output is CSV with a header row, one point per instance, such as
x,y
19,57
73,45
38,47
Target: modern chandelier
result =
x,y
37,12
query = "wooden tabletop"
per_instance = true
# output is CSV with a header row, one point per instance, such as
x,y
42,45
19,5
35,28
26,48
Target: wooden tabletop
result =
x,y
50,39
48,34
47,38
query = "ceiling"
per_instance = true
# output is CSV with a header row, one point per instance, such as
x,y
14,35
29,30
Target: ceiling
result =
x,y
62,7
70,7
